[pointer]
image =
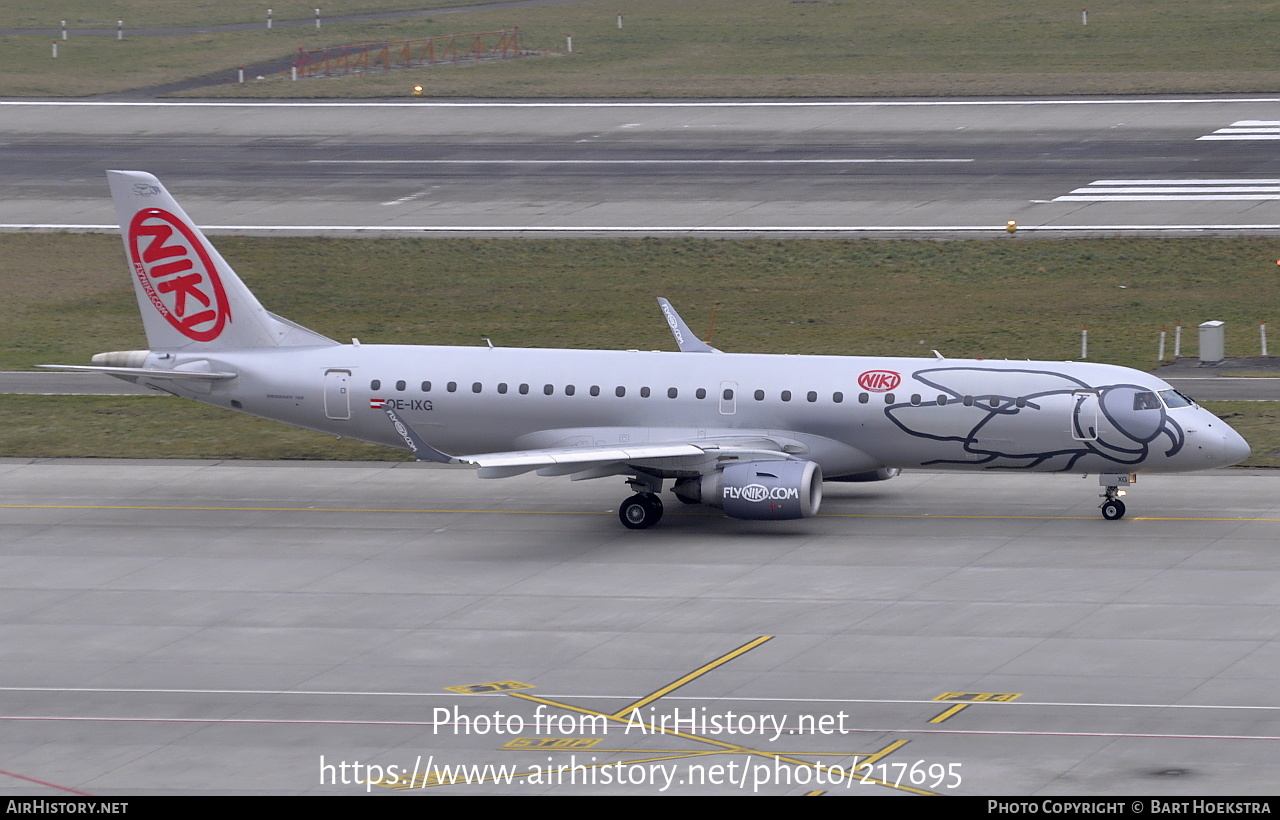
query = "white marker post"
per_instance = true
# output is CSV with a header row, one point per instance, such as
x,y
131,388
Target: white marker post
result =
x,y
64,31
55,49
569,42
240,76
317,18
1084,341
1262,331
1160,355
293,73
1177,339
1084,17
619,21
119,29
268,18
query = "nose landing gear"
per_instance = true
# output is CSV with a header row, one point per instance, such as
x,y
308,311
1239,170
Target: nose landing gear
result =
x,y
1112,507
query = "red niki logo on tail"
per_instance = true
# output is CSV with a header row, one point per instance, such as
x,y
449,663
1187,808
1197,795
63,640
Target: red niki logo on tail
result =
x,y
177,274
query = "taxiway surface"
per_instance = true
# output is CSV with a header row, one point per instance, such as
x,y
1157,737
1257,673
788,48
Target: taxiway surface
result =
x,y
217,627
876,167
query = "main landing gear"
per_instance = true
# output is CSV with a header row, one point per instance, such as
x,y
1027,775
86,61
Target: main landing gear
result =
x,y
1112,507
644,509
640,511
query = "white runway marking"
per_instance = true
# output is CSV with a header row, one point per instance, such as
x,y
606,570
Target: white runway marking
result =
x,y
15,227
1173,190
621,161
1014,704
638,104
1247,130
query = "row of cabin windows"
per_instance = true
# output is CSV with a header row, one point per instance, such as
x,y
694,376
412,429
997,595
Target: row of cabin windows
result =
x,y
701,393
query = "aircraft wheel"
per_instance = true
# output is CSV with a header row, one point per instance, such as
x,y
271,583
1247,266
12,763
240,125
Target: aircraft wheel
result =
x,y
1113,509
656,504
639,512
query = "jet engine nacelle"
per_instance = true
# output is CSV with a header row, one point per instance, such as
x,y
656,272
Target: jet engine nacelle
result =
x,y
759,490
883,474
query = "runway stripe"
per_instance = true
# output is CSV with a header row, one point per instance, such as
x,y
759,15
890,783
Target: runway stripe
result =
x,y
623,161
655,229
1173,190
733,747
910,516
637,103
694,675
44,783
1247,130
601,696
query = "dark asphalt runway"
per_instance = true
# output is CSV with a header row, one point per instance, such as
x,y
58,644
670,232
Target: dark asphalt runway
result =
x,y
913,168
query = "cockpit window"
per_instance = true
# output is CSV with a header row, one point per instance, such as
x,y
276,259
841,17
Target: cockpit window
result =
x,y
1145,401
1172,398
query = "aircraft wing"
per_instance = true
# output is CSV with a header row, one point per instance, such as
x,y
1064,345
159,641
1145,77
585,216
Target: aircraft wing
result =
x,y
593,461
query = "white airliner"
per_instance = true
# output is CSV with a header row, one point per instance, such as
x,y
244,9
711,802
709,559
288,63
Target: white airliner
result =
x,y
753,435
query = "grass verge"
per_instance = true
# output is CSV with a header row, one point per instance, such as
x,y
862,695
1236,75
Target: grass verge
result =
x,y
700,48
1008,298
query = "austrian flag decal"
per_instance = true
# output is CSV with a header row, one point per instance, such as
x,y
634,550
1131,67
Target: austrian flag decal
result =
x,y
178,276
376,404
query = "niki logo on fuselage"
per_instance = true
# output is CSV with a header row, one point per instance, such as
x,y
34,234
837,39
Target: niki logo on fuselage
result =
x,y
177,274
879,381
1030,418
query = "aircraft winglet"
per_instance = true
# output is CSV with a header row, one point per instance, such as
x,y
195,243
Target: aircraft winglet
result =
x,y
684,337
420,449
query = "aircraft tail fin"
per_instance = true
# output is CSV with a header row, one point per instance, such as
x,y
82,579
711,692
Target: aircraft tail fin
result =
x,y
189,296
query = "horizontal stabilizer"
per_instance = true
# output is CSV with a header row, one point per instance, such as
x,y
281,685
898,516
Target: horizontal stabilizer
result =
x,y
145,372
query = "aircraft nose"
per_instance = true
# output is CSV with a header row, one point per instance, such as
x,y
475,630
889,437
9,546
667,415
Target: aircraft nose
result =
x,y
1234,448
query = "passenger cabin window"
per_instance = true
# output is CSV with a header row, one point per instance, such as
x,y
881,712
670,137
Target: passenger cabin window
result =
x,y
786,395
426,387
968,401
942,401
1021,401
837,397
672,392
376,384
502,388
701,393
595,389
569,390
644,392
620,391
476,387
863,398
811,396
400,385
728,394
888,398
452,387
759,395
524,389
915,399
548,389
995,401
